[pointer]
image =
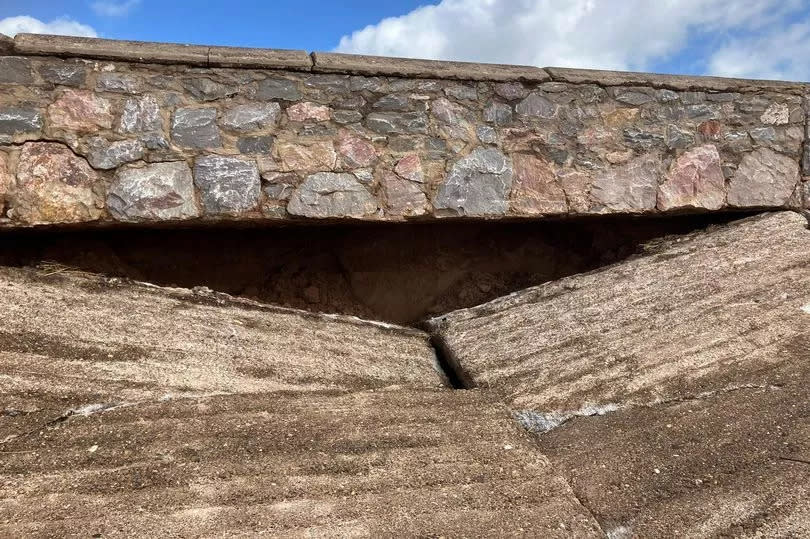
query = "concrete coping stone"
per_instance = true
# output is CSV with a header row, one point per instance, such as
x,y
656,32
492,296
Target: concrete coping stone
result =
x,y
357,64
326,62
160,53
673,82
6,44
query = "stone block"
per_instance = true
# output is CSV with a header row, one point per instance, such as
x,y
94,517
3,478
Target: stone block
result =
x,y
228,185
477,185
80,111
15,120
156,192
327,194
196,128
54,185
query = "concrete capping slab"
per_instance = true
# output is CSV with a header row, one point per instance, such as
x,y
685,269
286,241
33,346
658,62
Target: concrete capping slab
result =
x,y
672,82
160,53
6,44
296,60
109,49
357,64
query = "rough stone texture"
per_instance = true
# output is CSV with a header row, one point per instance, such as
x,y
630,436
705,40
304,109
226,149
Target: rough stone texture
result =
x,y
764,178
161,191
534,189
695,180
6,44
410,168
356,152
278,89
140,115
717,309
119,83
403,197
388,123
6,179
66,74
228,185
611,142
327,194
196,128
53,185
314,156
80,111
14,120
302,112
15,70
107,155
629,188
478,185
251,116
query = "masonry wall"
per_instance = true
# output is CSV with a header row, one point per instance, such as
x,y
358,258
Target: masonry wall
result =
x,y
98,131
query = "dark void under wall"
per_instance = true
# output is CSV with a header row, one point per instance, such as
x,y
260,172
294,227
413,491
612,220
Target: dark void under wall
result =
x,y
399,273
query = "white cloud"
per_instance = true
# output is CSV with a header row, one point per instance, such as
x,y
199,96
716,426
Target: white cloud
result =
x,y
63,26
606,34
780,55
110,8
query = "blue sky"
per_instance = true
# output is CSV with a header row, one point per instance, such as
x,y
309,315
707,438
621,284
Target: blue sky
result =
x,y
744,38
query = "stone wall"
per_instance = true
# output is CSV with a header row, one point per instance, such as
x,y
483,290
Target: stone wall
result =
x,y
100,131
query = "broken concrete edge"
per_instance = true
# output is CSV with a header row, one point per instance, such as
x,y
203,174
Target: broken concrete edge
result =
x,y
671,82
435,324
204,295
6,44
357,64
354,64
160,53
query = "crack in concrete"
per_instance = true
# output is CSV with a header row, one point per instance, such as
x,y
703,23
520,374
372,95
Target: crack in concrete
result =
x,y
98,408
542,422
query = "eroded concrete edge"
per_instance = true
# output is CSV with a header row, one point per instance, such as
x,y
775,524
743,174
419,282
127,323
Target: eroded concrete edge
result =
x,y
328,62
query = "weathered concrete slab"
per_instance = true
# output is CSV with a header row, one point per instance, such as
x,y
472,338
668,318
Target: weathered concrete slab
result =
x,y
730,464
68,340
723,308
6,44
386,463
332,62
110,49
259,58
674,82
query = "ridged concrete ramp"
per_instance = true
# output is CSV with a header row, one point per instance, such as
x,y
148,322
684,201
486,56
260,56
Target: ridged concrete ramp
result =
x,y
134,410
671,389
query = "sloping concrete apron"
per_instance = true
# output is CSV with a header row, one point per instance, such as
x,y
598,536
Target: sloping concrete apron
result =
x,y
672,389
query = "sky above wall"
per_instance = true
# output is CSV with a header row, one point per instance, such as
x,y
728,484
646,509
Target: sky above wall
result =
x,y
737,38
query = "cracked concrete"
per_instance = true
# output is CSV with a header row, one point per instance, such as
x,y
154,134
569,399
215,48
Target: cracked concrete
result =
x,y
194,407
690,314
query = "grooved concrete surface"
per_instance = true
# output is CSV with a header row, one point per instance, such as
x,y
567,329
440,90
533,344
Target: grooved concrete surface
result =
x,y
130,409
69,339
386,463
667,396
672,389
729,464
726,307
